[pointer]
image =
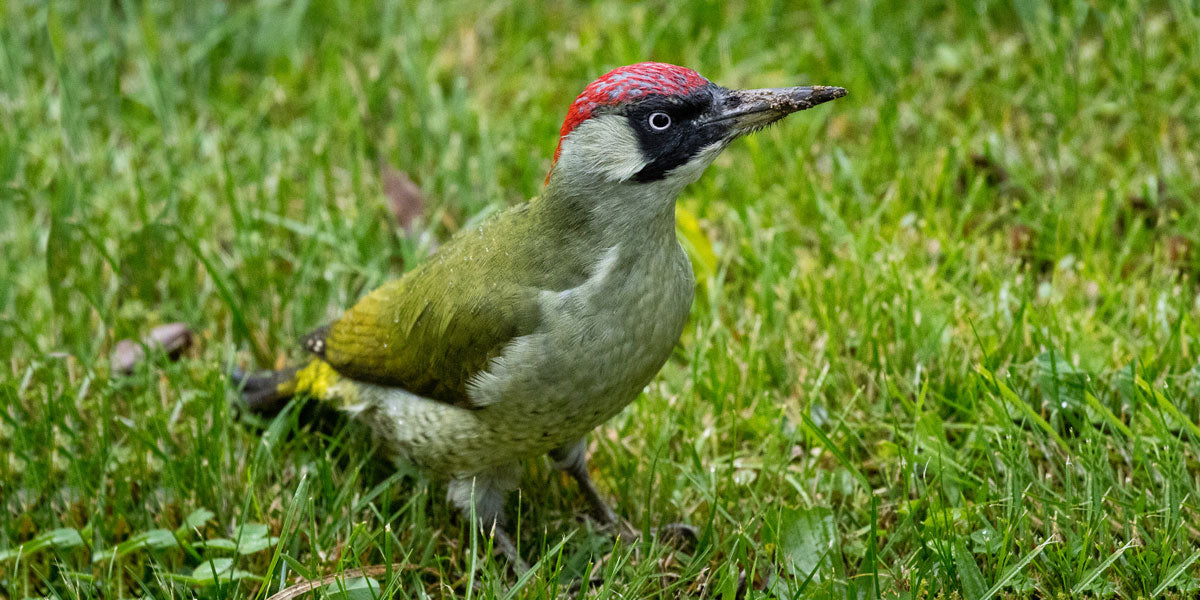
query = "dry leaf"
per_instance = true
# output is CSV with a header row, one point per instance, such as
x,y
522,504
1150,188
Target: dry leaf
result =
x,y
1179,250
304,587
404,198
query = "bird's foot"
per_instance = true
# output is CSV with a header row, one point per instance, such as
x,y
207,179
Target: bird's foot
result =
x,y
618,528
580,586
503,545
680,536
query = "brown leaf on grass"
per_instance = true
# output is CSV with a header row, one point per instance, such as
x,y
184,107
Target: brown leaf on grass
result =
x,y
404,198
1155,207
173,339
1020,241
993,172
1179,251
304,587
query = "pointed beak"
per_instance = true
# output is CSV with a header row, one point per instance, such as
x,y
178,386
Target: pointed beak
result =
x,y
746,111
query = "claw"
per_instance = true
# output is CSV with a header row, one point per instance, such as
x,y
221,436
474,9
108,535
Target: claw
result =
x,y
620,528
679,535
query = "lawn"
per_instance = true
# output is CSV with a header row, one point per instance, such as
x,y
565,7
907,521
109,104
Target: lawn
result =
x,y
945,340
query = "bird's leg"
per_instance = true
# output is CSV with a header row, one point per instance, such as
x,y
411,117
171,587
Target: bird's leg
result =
x,y
482,497
572,459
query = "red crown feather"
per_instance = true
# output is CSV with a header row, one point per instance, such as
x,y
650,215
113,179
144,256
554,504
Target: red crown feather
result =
x,y
626,83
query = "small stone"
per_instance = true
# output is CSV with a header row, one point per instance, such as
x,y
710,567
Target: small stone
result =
x,y
172,338
125,356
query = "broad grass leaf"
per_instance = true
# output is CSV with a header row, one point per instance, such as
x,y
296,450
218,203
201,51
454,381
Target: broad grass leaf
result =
x,y
218,544
211,569
145,262
55,538
297,566
974,587
251,530
361,588
1062,384
808,539
196,519
257,544
217,569
986,540
155,539
253,537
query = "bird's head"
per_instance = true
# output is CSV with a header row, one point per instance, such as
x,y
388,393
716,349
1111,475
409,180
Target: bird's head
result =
x,y
654,123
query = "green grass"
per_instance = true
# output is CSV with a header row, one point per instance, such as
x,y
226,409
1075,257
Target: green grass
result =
x,y
945,343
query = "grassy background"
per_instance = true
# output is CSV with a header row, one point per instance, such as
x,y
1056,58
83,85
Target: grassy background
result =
x,y
945,341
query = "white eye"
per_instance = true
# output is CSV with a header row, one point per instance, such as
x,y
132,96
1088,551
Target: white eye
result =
x,y
660,121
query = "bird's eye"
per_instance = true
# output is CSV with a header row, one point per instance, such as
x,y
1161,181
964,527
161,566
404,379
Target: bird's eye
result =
x,y
660,121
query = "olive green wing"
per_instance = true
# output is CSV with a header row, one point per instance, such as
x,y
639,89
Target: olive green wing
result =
x,y
428,332
439,325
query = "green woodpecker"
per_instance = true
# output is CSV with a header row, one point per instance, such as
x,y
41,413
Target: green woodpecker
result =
x,y
521,335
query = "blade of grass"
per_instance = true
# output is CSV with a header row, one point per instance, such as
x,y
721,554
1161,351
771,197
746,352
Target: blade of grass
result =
x,y
1014,570
1174,574
1091,576
257,345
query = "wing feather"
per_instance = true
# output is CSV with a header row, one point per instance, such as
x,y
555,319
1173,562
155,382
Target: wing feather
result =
x,y
433,329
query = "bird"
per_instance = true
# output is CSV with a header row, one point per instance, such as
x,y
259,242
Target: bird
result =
x,y
521,335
